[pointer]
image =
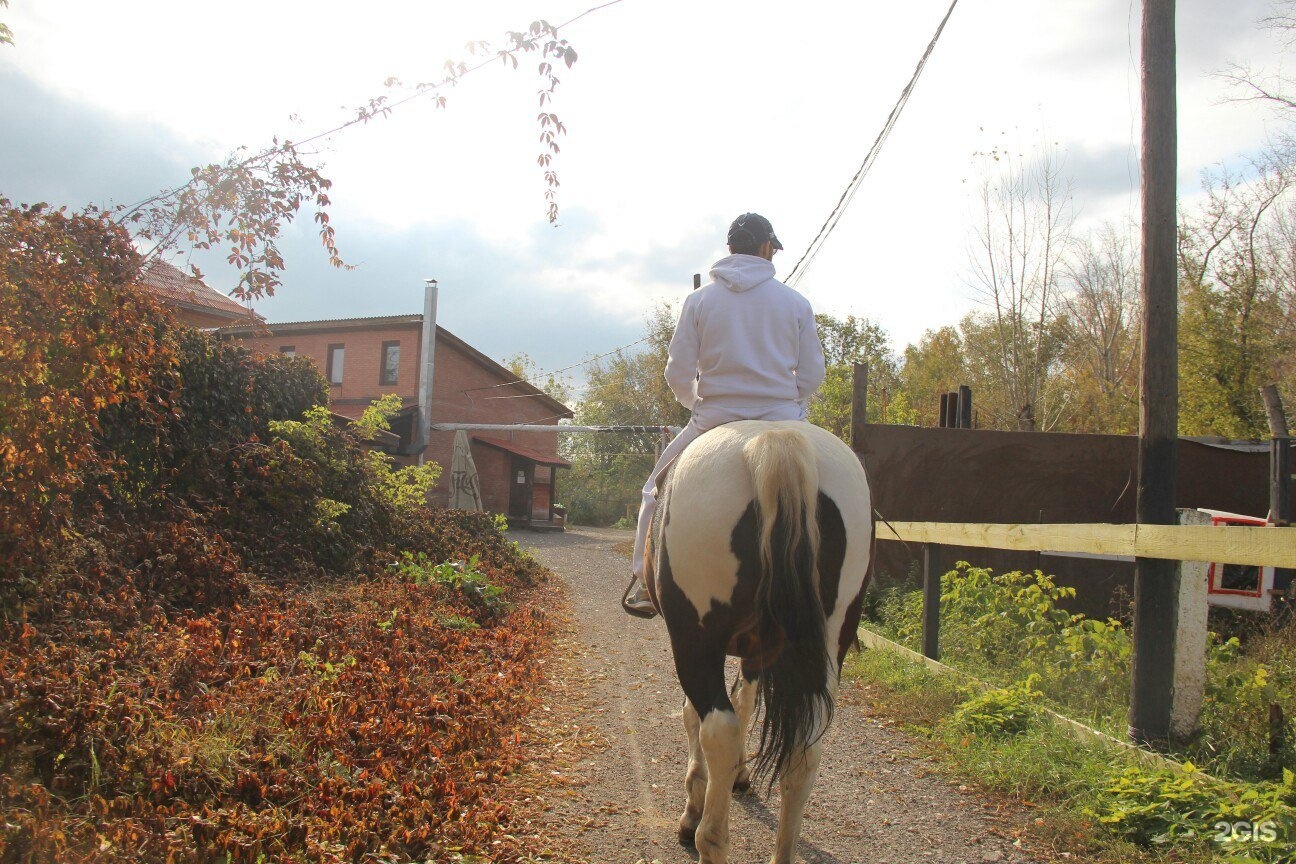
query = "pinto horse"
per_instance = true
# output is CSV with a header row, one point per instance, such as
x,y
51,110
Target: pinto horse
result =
x,y
759,549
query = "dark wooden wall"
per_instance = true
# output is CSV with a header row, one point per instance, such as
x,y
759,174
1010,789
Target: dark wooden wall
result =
x,y
976,475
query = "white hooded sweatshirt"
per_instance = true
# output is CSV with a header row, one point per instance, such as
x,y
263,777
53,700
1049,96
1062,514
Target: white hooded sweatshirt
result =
x,y
744,343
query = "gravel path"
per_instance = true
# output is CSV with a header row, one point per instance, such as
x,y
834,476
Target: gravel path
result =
x,y
875,802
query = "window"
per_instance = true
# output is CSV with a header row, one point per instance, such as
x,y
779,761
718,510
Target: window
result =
x,y
390,363
288,350
336,354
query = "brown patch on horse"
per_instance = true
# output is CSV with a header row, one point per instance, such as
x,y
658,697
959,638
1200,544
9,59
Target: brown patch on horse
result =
x,y
757,648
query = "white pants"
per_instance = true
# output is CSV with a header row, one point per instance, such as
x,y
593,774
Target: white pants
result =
x,y
703,420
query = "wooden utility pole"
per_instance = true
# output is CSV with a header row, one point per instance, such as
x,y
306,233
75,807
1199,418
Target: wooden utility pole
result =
x,y
1156,580
1280,473
859,403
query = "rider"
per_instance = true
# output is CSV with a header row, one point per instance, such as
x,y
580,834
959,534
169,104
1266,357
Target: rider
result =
x,y
745,348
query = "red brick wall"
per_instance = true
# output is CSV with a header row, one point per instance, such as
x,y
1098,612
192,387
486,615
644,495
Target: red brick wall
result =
x,y
455,372
493,470
360,367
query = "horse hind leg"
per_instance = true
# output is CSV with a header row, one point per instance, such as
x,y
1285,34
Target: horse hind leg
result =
x,y
743,695
722,745
795,785
715,750
794,790
695,781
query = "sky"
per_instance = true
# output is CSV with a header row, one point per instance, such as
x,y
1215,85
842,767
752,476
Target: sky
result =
x,y
680,116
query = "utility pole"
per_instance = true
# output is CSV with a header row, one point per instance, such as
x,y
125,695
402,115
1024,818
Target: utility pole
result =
x,y
427,356
1156,580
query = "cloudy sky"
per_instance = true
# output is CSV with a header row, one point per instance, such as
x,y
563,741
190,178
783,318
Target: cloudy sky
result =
x,y
680,116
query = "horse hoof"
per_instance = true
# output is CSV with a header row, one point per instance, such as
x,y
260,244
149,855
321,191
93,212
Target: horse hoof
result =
x,y
688,836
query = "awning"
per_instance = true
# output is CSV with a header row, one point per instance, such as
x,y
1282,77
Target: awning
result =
x,y
525,452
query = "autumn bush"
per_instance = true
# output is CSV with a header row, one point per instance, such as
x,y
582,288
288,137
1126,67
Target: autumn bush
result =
x,y
324,726
76,339
211,645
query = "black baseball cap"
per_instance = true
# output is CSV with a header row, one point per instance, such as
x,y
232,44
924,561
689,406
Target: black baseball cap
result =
x,y
755,226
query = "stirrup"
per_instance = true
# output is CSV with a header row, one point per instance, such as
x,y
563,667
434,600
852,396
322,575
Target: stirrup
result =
x,y
630,608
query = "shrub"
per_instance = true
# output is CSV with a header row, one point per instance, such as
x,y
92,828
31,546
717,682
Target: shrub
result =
x,y
171,691
1249,822
292,727
1006,626
76,337
1240,688
314,498
219,395
458,577
995,713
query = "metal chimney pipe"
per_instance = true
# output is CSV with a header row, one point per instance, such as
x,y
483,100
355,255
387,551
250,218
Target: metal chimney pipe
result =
x,y
427,356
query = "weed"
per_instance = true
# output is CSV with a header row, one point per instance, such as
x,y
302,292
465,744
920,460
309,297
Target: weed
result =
x,y
458,622
1004,712
462,577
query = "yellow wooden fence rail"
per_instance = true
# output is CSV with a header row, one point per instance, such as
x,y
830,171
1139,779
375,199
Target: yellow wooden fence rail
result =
x,y
1232,544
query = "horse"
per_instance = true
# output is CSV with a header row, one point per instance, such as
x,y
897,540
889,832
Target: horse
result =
x,y
759,549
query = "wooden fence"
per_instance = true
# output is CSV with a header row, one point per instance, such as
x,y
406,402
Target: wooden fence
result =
x,y
1191,544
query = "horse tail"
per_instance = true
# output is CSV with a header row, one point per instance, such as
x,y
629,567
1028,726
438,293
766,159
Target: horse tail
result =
x,y
794,686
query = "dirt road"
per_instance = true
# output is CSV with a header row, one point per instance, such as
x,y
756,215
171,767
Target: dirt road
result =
x,y
875,802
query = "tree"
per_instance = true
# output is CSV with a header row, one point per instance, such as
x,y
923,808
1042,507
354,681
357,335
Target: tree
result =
x,y
6,35
1236,331
1023,226
244,202
932,367
554,384
1275,89
78,338
1101,351
848,341
626,389
1003,396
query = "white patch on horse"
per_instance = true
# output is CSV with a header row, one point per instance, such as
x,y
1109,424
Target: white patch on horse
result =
x,y
707,571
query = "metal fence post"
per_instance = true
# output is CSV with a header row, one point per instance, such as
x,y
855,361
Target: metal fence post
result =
x,y
931,601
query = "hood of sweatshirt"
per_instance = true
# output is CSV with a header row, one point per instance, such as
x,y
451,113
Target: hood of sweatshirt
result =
x,y
739,273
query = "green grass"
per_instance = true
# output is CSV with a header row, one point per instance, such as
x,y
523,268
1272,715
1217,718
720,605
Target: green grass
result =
x,y
1004,627
1065,786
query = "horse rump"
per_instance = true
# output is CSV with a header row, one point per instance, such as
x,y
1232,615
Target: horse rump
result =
x,y
793,684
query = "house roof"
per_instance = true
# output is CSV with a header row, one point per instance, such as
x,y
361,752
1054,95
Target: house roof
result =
x,y
178,288
443,335
525,452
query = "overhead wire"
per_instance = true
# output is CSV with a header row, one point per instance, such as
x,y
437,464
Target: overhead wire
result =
x,y
551,372
803,264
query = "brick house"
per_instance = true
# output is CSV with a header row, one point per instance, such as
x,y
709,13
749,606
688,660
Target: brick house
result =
x,y
194,302
365,358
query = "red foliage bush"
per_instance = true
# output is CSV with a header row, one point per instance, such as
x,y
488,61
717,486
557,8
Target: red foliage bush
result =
x,y
76,337
187,672
300,725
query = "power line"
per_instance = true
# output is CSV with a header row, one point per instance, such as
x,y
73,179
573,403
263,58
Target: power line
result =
x,y
584,362
833,218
